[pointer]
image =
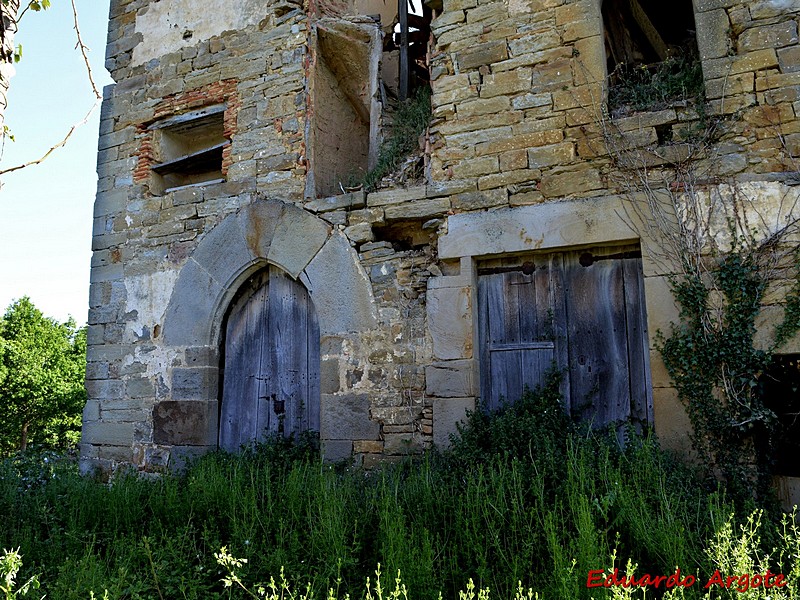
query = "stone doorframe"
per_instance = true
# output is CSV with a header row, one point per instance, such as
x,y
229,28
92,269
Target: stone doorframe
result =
x,y
265,232
453,378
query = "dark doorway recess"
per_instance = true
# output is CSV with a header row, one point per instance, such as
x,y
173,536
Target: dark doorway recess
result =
x,y
270,361
779,387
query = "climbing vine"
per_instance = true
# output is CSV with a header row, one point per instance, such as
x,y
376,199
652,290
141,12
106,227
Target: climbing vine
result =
x,y
728,246
715,364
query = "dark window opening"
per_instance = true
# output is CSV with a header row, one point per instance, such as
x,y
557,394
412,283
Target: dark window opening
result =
x,y
651,53
189,149
779,387
409,40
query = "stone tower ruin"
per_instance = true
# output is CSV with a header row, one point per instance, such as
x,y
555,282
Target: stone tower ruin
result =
x,y
243,282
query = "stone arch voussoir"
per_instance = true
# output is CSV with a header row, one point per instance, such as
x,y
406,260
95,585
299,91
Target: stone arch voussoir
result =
x,y
279,233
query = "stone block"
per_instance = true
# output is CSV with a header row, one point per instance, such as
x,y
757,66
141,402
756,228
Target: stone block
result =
x,y
185,423
556,154
541,227
754,61
529,140
108,433
179,458
436,189
97,370
395,196
336,450
447,413
340,288
728,86
565,183
483,106
767,9
529,100
298,237
706,5
449,312
188,195
396,415
476,167
91,411
139,387
221,265
470,138
662,310
359,233
347,417
329,376
551,76
112,272
506,83
420,209
348,201
402,444
202,356
368,446
507,178
482,54
110,202
513,160
194,383
713,40
768,36
479,200
187,321
450,379
789,59
101,389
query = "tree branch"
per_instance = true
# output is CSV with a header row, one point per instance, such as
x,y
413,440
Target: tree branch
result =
x,y
98,99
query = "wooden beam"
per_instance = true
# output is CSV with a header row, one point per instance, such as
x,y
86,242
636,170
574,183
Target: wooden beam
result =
x,y
648,29
402,11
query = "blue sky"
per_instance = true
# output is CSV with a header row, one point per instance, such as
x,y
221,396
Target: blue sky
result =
x,y
46,210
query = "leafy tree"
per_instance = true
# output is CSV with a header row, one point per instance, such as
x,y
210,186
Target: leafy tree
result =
x,y
42,367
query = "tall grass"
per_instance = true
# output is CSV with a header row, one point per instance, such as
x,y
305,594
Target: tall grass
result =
x,y
537,502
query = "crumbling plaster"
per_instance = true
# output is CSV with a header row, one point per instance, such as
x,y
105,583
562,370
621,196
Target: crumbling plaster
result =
x,y
168,26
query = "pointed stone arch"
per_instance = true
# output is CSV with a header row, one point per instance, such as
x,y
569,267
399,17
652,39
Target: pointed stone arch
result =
x,y
267,232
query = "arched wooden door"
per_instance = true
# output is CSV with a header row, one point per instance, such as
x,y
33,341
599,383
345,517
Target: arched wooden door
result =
x,y
270,378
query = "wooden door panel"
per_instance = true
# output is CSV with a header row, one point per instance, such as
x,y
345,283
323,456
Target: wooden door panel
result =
x,y
638,347
271,362
514,352
597,339
582,311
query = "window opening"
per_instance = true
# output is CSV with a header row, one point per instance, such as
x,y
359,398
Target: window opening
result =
x,y
410,37
651,53
189,148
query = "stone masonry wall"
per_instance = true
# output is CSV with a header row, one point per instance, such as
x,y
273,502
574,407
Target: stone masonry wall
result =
x,y
518,163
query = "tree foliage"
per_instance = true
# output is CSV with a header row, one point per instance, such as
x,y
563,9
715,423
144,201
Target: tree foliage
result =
x,y
42,367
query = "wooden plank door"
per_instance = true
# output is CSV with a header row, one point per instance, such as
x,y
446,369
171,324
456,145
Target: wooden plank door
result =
x,y
608,367
270,378
581,311
516,334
